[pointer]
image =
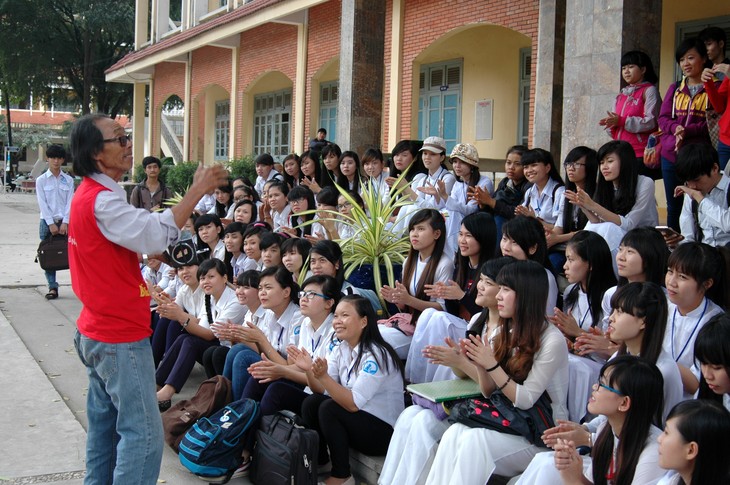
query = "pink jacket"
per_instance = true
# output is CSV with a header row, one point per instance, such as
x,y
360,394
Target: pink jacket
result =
x,y
637,106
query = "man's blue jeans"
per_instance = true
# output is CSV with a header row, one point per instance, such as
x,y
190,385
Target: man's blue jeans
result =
x,y
43,232
124,440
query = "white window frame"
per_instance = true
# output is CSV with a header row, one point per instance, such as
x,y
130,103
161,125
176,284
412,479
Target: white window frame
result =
x,y
426,92
222,130
272,123
325,105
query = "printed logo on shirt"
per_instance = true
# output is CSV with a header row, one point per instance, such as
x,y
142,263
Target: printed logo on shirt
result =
x,y
370,367
297,330
143,291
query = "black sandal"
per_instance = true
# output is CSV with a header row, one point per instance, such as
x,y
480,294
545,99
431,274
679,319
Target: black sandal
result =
x,y
52,294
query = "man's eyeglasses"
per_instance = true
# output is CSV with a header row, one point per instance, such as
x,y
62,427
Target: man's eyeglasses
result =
x,y
311,294
575,165
122,140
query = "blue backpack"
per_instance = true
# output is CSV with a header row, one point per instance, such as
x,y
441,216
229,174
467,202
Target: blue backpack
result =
x,y
212,447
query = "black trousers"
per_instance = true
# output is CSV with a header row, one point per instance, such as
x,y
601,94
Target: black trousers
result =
x,y
340,429
214,358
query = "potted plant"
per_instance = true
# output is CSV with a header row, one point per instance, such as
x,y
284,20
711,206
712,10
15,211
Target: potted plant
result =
x,y
372,244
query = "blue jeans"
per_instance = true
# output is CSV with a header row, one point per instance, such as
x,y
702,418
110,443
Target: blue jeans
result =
x,y
44,231
236,368
674,204
124,440
724,152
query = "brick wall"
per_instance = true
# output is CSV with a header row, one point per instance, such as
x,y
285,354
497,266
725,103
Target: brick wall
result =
x,y
271,47
427,20
323,45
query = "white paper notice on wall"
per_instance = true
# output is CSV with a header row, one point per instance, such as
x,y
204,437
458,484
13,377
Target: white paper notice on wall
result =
x,y
484,110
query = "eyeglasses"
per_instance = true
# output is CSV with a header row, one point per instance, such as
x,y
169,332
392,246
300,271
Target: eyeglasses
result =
x,y
122,140
608,388
311,294
346,205
575,165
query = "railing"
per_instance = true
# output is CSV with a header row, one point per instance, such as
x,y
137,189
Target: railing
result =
x,y
170,142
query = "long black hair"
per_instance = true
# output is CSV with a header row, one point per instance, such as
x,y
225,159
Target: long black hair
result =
x,y
644,300
357,177
314,157
328,177
302,192
436,220
619,198
371,339
593,249
292,181
650,245
330,288
712,347
573,217
490,269
332,252
524,329
222,269
283,279
708,424
416,167
641,59
482,227
640,381
538,155
222,209
704,264
527,232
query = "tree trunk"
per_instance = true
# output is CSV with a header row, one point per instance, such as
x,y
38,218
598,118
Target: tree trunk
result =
x,y
6,97
88,58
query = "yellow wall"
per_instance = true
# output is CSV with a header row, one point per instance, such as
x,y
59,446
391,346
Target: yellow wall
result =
x,y
330,71
674,11
490,56
267,83
213,94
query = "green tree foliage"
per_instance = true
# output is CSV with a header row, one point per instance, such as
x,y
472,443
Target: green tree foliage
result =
x,y
243,167
51,43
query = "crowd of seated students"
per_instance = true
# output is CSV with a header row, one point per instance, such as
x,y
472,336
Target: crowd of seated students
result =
x,y
532,285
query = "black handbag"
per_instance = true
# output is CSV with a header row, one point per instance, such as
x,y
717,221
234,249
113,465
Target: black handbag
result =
x,y
53,253
498,413
285,453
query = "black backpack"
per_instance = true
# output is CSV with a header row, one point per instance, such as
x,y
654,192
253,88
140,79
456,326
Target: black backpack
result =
x,y
285,452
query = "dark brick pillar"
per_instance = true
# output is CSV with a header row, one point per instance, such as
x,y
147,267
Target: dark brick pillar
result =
x,y
362,74
596,36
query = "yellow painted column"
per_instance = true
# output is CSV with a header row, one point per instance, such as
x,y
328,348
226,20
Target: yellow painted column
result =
x,y
233,116
396,73
138,134
141,17
301,85
188,108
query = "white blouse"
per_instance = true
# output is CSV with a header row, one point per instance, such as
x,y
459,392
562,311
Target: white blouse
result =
x,y
374,390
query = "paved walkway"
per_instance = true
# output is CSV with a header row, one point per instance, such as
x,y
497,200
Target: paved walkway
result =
x,y
42,382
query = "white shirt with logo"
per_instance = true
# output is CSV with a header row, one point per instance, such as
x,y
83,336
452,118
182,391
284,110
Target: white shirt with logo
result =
x,y
375,390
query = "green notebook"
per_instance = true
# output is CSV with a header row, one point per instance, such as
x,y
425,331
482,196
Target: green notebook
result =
x,y
441,391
